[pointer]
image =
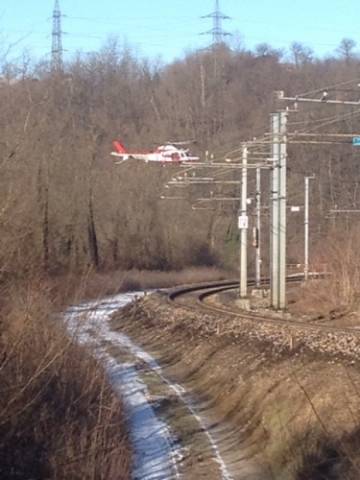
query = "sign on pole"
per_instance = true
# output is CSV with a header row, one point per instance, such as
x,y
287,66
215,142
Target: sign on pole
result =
x,y
243,222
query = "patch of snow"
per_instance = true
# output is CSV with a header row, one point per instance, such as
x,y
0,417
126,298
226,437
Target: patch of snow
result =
x,y
155,452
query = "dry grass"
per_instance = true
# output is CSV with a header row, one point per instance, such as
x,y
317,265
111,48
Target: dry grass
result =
x,y
58,415
340,291
96,284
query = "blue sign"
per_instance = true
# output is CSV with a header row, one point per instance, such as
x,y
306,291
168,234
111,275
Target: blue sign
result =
x,y
356,141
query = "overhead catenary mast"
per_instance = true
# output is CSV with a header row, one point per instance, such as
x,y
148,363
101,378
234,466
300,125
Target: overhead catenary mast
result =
x,y
57,49
217,31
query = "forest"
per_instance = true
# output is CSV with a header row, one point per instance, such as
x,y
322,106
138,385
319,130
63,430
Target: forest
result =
x,y
66,209
66,206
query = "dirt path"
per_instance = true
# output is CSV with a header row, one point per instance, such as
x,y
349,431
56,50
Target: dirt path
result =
x,y
171,436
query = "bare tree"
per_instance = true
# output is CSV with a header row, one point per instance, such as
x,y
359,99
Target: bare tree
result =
x,y
346,49
301,54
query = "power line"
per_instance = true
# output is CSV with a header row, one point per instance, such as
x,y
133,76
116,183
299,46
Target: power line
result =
x,y
330,87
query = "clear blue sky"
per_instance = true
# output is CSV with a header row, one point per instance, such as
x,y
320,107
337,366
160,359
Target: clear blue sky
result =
x,y
169,27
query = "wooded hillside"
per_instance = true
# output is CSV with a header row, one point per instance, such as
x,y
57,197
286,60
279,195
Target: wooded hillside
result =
x,y
65,205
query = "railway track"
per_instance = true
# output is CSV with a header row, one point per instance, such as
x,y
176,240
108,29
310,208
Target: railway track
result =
x,y
195,296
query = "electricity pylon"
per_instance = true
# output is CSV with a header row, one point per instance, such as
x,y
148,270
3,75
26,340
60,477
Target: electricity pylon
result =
x,y
217,31
57,49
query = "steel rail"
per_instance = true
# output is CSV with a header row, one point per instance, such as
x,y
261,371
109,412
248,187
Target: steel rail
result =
x,y
209,289
177,292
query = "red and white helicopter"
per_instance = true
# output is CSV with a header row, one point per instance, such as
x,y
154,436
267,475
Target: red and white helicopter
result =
x,y
164,154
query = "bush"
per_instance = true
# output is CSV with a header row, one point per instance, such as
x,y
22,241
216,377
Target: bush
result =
x,y
58,415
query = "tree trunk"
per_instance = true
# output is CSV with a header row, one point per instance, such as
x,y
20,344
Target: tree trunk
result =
x,y
92,236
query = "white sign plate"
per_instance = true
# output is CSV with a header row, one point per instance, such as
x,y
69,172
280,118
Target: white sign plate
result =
x,y
295,208
243,222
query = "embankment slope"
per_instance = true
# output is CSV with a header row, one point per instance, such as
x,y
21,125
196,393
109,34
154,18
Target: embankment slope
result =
x,y
292,410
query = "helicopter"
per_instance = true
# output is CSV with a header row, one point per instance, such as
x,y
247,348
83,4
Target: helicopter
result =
x,y
169,153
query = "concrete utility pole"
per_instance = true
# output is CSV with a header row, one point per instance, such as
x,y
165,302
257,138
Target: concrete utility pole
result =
x,y
306,227
278,211
258,228
243,225
274,211
282,210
